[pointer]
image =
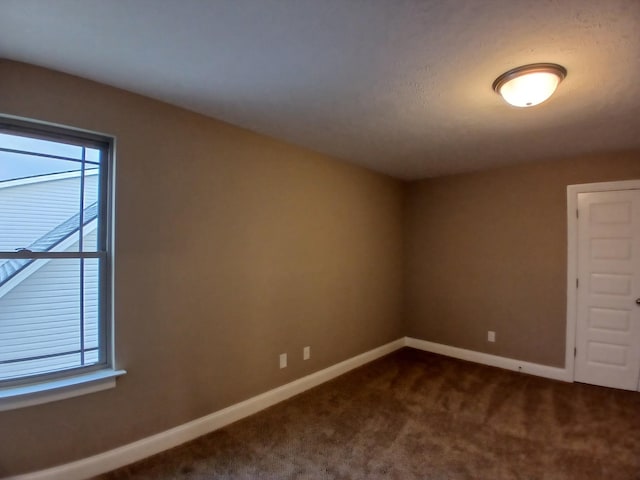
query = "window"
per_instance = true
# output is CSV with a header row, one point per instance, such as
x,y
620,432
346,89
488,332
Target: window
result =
x,y
55,256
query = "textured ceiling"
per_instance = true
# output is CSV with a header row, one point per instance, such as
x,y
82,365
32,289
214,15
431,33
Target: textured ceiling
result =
x,y
399,86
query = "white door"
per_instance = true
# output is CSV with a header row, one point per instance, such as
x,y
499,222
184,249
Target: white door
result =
x,y
608,323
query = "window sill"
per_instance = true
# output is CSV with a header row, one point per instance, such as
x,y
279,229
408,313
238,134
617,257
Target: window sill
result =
x,y
59,389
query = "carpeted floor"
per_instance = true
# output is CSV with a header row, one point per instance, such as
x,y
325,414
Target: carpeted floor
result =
x,y
415,415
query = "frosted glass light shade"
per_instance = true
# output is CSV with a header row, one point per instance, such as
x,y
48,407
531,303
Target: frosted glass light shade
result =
x,y
529,85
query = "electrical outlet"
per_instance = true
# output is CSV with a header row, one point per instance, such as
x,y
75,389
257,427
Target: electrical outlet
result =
x,y
283,360
306,353
491,336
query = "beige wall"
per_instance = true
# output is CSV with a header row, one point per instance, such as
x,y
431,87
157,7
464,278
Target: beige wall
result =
x,y
487,251
231,248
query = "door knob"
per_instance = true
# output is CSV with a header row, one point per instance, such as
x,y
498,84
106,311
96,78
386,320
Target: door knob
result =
x,y
638,301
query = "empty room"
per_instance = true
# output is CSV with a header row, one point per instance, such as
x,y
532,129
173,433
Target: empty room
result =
x,y
333,239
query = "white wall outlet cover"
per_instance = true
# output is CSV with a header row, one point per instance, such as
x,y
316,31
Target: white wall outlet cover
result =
x,y
491,336
306,353
283,360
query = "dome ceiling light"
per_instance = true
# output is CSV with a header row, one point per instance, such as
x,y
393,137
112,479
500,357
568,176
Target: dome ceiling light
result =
x,y
529,85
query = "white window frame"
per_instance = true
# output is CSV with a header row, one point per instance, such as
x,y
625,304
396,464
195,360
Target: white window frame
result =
x,y
37,389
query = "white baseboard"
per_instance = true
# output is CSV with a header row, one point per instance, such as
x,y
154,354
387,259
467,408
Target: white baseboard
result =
x,y
132,452
492,360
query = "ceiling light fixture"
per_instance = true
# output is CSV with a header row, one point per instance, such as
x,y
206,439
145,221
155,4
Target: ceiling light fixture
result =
x,y
529,85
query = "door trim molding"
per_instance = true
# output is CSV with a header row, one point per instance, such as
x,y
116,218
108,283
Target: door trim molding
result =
x,y
572,257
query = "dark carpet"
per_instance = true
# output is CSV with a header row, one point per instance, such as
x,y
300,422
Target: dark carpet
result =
x,y
415,415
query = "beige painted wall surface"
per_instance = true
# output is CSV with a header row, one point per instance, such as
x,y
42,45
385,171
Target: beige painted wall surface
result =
x,y
231,248
487,251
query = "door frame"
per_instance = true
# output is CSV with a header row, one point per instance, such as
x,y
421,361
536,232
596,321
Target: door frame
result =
x,y
572,258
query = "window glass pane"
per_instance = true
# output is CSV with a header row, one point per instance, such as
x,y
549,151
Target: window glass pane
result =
x,y
91,309
38,212
92,155
15,166
36,145
90,212
40,323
